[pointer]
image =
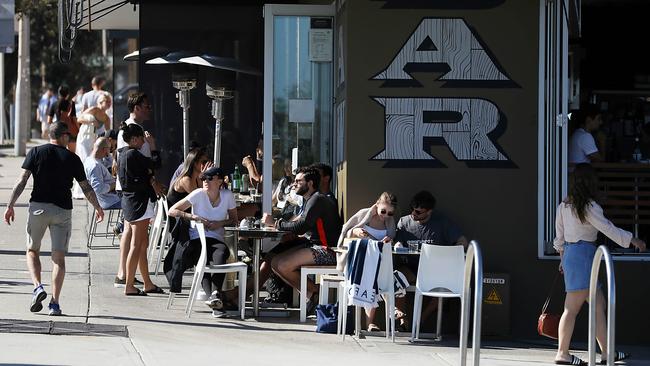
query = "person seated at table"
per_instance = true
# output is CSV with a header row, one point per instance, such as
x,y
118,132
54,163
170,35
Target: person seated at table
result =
x,y
179,170
423,223
325,186
314,233
215,207
376,222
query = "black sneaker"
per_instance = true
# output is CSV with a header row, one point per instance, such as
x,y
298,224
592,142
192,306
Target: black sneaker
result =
x,y
121,282
38,296
214,302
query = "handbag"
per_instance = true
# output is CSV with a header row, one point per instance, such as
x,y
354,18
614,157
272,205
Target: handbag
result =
x,y
548,323
327,319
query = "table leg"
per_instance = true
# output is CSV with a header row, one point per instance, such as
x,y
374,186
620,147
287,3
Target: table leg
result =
x,y
256,276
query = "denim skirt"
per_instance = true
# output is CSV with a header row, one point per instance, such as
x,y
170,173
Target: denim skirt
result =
x,y
577,261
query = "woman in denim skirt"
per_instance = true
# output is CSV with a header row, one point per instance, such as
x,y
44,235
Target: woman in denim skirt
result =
x,y
579,219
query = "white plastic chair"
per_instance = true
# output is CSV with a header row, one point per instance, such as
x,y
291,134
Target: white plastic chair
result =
x,y
203,267
156,228
304,272
165,235
386,286
441,273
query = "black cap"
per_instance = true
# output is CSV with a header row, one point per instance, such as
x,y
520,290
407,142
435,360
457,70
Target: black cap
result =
x,y
212,172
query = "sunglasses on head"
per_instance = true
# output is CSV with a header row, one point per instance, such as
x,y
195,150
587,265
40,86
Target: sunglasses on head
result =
x,y
384,212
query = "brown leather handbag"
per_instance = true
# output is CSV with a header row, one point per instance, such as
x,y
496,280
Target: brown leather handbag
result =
x,y
548,323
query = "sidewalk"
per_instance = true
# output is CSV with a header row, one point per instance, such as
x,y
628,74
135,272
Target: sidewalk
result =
x,y
140,331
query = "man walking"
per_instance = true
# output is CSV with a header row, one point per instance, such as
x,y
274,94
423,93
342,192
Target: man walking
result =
x,y
50,206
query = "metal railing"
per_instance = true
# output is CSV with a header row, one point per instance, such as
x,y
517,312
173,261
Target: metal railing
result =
x,y
602,253
475,258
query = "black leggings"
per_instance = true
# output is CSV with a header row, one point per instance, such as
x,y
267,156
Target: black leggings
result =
x,y
217,254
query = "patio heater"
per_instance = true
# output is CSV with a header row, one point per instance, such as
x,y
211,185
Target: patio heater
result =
x,y
184,83
218,96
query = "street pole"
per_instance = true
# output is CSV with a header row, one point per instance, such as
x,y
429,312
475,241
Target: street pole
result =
x,y
22,88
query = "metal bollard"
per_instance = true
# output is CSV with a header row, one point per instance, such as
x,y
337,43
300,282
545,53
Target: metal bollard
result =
x,y
473,257
602,252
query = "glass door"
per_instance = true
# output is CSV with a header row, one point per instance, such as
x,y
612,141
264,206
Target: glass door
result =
x,y
298,90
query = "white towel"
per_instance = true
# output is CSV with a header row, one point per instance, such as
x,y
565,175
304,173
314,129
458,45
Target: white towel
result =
x,y
364,259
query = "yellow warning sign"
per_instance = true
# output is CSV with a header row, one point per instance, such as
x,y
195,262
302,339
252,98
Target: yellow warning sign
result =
x,y
493,298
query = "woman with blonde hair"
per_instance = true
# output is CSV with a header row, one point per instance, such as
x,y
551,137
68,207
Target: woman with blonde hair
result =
x,y
93,121
578,220
376,222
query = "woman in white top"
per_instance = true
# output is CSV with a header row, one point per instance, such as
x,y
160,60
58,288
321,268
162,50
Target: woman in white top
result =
x,y
579,219
215,207
376,222
94,121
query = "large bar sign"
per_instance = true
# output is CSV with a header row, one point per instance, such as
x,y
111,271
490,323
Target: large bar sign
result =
x,y
468,126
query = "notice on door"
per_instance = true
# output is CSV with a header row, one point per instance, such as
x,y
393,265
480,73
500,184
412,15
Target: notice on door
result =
x,y
320,40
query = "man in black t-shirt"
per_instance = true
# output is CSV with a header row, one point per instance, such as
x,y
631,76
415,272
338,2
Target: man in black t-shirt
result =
x,y
50,207
318,226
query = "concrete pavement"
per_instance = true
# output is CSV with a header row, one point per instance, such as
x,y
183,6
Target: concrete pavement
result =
x,y
157,336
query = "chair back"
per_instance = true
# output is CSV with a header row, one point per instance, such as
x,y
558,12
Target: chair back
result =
x,y
165,234
156,228
203,258
441,267
385,282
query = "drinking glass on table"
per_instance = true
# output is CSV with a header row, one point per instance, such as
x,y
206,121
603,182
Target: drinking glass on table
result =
x,y
413,245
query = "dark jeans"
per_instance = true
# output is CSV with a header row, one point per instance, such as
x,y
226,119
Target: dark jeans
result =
x,y
218,253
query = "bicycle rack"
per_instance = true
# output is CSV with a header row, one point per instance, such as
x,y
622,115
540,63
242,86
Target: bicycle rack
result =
x,y
473,257
601,252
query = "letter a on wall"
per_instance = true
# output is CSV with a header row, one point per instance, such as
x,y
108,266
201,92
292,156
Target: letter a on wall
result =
x,y
446,45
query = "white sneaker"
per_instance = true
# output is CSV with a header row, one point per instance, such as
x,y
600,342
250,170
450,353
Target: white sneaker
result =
x,y
201,295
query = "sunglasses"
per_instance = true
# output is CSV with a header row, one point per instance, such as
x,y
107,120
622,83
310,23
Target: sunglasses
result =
x,y
384,212
418,212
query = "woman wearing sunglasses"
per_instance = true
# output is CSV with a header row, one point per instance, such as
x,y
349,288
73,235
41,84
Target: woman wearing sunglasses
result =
x,y
376,222
215,207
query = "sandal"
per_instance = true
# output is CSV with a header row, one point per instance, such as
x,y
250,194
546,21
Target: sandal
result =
x,y
403,323
155,290
138,293
573,361
372,327
620,356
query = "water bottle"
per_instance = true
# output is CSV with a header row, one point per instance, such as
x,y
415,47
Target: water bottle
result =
x,y
236,180
636,155
244,183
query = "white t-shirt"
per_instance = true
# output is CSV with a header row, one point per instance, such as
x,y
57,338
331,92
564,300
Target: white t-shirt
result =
x,y
144,150
201,206
581,145
89,99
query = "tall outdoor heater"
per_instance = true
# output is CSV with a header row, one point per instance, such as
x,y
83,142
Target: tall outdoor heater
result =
x,y
184,80
218,96
184,83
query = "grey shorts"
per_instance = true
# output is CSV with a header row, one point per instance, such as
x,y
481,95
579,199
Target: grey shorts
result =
x,y
47,215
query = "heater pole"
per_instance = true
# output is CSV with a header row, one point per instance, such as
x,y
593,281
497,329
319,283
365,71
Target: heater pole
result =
x,y
218,96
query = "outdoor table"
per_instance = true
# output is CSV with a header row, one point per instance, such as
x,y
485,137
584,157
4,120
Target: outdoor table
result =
x,y
257,235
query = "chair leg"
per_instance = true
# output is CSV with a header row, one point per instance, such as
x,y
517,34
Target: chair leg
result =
x,y
303,297
323,292
391,312
91,230
242,293
357,321
417,309
343,310
439,320
170,300
160,254
194,290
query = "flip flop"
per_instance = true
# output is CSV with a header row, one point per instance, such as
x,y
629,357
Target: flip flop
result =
x,y
155,290
620,356
574,361
373,327
139,293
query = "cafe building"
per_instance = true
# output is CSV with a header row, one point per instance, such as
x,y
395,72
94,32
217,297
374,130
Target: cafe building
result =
x,y
469,99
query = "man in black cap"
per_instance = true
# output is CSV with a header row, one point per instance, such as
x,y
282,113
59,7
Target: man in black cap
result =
x,y
50,206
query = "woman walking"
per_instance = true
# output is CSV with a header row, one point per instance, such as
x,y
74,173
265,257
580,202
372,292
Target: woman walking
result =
x,y
139,192
579,219
376,222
